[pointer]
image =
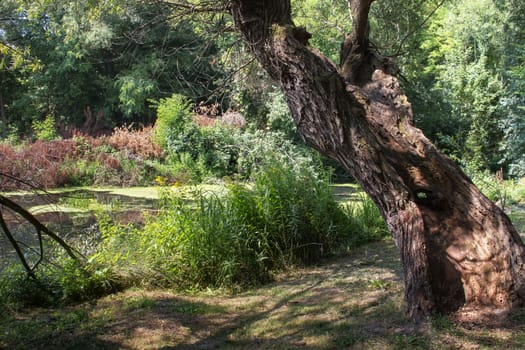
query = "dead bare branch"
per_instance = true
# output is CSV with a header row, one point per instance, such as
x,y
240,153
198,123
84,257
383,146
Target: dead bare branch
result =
x,y
41,228
16,247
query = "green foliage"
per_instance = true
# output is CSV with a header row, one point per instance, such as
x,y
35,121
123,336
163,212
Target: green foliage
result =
x,y
463,50
9,134
297,208
63,281
397,28
513,145
366,220
134,92
483,92
45,130
495,189
18,290
327,20
74,282
174,129
240,236
457,68
504,192
513,125
218,150
65,59
479,72
258,144
279,116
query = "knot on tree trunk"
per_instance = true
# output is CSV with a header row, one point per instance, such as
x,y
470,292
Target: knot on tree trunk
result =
x,y
359,59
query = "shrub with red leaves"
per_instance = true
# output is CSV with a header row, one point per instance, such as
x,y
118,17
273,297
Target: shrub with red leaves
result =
x,y
36,164
80,160
136,142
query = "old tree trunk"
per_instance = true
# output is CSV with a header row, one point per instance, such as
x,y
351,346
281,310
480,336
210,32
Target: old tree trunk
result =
x,y
457,248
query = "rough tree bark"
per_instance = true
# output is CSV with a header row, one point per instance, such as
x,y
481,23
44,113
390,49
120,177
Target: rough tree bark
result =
x,y
457,247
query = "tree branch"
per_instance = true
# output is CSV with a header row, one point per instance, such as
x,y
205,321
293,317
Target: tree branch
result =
x,y
37,224
16,247
358,59
360,10
200,7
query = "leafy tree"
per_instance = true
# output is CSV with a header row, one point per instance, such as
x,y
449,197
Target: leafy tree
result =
x,y
406,31
99,58
467,52
513,125
513,103
327,19
175,131
450,58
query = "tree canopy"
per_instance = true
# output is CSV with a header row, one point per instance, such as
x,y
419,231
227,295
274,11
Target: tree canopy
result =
x,y
73,61
461,64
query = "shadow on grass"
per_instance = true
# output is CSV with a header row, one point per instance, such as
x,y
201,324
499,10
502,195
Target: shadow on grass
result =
x,y
331,307
352,303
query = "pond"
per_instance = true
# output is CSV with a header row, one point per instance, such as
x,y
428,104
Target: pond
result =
x,y
71,213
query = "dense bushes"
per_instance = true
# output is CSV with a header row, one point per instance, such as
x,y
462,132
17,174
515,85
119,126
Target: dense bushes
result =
x,y
59,280
39,163
176,150
214,150
240,234
174,128
197,152
276,208
503,192
126,157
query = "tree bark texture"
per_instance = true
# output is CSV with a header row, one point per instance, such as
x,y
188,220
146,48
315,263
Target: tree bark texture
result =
x,y
457,247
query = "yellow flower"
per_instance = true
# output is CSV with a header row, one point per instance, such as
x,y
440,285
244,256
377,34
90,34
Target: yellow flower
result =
x,y
161,181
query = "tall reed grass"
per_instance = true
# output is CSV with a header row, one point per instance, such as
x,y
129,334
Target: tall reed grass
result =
x,y
284,217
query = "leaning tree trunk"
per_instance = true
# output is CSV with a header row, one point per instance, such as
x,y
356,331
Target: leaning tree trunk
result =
x,y
456,246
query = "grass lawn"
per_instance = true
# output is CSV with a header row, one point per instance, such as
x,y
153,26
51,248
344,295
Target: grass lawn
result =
x,y
355,302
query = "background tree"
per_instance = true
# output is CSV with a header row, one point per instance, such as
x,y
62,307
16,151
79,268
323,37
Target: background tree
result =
x,y
87,59
467,49
513,103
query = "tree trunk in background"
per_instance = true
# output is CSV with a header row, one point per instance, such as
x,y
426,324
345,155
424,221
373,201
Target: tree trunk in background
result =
x,y
3,116
456,246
